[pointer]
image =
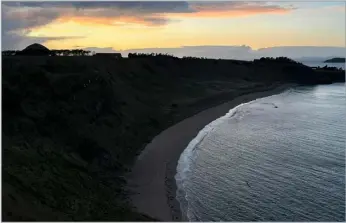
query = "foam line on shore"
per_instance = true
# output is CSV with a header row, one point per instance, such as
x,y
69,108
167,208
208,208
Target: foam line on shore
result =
x,y
152,179
183,167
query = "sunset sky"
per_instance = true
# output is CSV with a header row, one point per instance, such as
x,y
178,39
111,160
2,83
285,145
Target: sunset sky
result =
x,y
138,25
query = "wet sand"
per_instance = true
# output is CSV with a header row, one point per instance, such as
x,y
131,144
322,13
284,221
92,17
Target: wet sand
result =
x,y
152,177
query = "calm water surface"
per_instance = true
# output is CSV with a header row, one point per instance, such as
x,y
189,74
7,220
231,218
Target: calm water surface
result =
x,y
280,158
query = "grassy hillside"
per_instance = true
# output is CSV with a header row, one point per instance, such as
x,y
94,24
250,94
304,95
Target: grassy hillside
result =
x,y
72,126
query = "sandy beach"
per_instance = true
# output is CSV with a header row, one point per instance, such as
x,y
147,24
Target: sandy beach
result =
x,y
152,177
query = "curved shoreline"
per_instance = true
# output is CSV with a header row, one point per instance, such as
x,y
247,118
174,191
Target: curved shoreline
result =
x,y
153,174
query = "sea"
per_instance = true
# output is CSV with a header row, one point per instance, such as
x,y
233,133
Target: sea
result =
x,y
278,158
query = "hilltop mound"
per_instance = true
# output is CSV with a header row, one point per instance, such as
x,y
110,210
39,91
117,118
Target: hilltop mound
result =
x,y
35,49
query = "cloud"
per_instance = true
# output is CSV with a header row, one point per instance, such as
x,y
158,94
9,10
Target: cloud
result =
x,y
149,13
19,18
109,10
17,23
138,6
100,49
13,41
232,9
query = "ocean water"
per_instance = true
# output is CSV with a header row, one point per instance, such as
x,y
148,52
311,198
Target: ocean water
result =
x,y
279,158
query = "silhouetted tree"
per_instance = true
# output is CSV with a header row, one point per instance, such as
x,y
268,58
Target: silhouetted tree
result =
x,y
145,55
9,52
73,52
277,60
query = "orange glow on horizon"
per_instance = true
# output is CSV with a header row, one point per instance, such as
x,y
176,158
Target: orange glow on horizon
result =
x,y
126,20
206,27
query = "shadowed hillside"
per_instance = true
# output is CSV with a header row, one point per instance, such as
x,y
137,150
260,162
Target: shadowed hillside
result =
x,y
72,126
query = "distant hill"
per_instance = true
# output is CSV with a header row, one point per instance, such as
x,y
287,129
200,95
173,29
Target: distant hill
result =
x,y
335,60
312,59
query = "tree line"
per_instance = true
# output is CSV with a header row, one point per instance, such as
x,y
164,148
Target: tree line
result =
x,y
80,52
63,52
10,52
145,55
330,68
73,52
276,59
164,55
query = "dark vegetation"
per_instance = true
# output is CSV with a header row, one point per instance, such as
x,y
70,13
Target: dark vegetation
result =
x,y
73,52
151,55
277,60
72,126
326,68
336,60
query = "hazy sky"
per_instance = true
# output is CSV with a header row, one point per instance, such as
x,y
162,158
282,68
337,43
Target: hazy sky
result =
x,y
138,25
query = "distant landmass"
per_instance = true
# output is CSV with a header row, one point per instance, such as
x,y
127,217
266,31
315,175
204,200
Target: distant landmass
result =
x,y
335,60
312,59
